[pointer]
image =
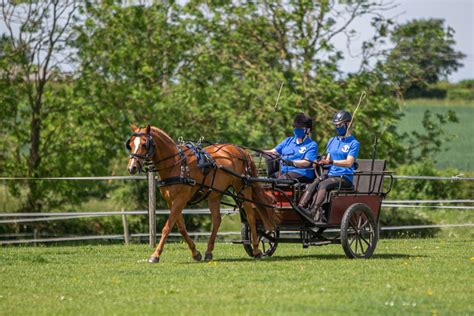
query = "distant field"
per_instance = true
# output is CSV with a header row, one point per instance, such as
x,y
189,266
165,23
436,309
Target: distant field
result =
x,y
416,276
460,151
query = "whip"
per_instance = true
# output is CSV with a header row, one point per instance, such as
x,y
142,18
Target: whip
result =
x,y
279,93
362,97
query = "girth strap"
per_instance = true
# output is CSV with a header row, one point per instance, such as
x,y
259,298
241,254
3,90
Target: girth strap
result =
x,y
176,180
200,194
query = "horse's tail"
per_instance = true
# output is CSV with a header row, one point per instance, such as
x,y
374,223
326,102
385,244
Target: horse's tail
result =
x,y
269,217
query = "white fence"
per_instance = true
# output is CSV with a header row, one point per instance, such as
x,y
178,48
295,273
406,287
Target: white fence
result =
x,y
16,218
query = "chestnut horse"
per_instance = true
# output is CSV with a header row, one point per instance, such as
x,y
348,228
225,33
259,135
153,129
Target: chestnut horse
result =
x,y
152,145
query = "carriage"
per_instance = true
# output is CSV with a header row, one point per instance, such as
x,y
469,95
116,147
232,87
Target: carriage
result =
x,y
190,173
352,214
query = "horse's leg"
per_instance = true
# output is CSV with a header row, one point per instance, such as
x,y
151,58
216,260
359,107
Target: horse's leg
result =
x,y
250,212
175,213
252,221
214,206
182,229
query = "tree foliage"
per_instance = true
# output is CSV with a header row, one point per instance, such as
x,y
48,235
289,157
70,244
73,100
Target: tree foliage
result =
x,y
424,53
200,68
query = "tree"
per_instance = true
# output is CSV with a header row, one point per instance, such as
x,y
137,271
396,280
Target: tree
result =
x,y
201,68
47,128
423,53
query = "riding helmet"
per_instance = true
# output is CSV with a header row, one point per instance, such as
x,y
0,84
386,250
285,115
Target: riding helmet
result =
x,y
342,116
302,120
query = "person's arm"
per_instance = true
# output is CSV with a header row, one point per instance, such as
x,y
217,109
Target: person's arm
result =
x,y
272,151
308,159
348,162
277,151
302,163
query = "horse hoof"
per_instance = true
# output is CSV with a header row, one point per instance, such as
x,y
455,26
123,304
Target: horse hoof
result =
x,y
198,257
258,255
153,259
208,256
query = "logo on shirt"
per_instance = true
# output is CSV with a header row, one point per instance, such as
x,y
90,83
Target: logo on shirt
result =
x,y
302,150
345,148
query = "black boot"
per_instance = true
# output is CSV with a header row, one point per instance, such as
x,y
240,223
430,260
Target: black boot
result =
x,y
307,195
319,216
310,212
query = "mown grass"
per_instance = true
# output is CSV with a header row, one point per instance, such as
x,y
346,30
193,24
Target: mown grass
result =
x,y
458,153
431,276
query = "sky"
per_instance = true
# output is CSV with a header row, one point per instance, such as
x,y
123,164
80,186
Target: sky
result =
x,y
459,14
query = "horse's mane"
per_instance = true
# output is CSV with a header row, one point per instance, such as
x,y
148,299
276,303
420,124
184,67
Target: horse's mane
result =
x,y
162,134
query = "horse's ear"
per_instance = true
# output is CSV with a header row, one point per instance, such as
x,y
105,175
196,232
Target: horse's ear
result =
x,y
148,128
134,127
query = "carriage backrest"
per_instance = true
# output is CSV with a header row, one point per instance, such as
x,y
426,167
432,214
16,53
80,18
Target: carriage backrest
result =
x,y
369,176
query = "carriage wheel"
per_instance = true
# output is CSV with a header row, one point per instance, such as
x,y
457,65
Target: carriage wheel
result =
x,y
268,246
359,231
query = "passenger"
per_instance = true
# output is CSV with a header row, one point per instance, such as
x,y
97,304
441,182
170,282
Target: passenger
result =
x,y
297,152
342,152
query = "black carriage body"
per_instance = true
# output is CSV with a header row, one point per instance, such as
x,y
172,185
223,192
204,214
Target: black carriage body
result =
x,y
295,226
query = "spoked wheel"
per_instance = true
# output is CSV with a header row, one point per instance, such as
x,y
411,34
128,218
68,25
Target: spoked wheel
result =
x,y
359,231
267,241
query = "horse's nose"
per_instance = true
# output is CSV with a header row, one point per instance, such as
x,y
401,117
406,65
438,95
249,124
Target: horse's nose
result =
x,y
132,169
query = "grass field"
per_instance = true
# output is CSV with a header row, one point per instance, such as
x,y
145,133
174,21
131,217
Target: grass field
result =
x,y
419,276
460,151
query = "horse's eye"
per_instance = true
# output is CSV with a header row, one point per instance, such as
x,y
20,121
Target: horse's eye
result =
x,y
144,146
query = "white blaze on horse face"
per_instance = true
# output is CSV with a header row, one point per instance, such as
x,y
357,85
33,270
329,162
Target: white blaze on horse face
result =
x,y
136,143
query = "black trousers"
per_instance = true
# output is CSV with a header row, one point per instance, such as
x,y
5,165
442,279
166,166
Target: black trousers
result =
x,y
291,175
323,185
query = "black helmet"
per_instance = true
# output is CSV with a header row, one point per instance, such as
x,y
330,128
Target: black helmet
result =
x,y
342,116
302,120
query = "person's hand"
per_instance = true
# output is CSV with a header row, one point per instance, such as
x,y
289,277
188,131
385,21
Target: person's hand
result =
x,y
288,162
324,162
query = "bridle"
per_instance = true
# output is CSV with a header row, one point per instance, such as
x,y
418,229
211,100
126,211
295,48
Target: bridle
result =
x,y
150,148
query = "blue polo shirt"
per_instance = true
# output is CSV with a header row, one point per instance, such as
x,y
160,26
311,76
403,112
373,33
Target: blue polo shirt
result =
x,y
290,150
339,148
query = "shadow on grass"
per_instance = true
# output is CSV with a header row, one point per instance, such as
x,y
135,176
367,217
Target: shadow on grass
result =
x,y
382,256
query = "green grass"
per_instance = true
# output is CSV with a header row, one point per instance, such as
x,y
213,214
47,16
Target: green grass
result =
x,y
431,276
459,151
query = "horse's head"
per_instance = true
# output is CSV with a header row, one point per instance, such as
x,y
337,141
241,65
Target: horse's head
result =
x,y
141,147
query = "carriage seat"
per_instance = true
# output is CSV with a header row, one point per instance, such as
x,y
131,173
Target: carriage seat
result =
x,y
368,179
369,176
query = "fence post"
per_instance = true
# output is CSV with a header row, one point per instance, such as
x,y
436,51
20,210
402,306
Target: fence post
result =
x,y
151,208
35,236
126,235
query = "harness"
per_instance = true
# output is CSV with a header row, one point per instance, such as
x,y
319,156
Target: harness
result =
x,y
205,163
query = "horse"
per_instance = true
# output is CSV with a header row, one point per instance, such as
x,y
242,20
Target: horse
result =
x,y
181,178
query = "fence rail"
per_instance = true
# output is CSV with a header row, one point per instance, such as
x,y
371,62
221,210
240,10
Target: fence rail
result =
x,y
12,218
201,234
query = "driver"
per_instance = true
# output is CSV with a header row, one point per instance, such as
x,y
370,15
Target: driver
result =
x,y
342,152
297,152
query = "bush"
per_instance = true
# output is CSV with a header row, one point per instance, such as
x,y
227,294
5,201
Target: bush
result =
x,y
428,92
461,93
410,189
467,83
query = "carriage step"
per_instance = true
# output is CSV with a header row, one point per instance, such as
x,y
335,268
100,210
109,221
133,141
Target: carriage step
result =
x,y
241,242
317,243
